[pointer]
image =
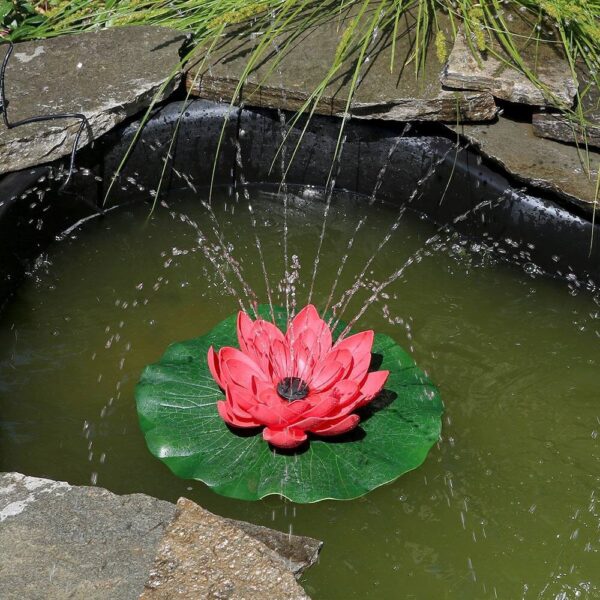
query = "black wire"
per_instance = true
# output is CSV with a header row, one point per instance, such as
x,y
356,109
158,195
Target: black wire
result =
x,y
84,125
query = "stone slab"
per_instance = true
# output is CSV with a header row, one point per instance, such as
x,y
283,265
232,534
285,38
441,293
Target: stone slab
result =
x,y
290,70
202,556
542,163
59,541
107,75
296,552
558,127
469,69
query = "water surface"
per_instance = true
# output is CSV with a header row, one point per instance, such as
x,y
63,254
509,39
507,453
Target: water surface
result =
x,y
506,505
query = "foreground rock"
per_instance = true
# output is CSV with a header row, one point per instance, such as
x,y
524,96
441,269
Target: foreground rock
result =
x,y
469,69
287,77
542,163
62,541
200,556
107,75
59,541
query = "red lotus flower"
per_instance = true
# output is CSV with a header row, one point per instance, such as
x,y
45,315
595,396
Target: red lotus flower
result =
x,y
294,383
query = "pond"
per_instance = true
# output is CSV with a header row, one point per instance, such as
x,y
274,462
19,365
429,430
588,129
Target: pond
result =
x,y
505,506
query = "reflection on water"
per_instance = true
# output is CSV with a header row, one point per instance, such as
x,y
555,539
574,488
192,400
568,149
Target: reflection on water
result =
x,y
506,504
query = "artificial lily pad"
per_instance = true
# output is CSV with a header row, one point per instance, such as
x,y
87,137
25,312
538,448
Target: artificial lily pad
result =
x,y
177,407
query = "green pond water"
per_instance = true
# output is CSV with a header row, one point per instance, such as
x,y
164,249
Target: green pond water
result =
x,y
507,504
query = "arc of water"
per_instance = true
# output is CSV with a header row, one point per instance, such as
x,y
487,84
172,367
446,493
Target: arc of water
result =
x,y
216,229
359,225
330,188
366,42
201,239
246,193
283,190
347,296
415,257
362,220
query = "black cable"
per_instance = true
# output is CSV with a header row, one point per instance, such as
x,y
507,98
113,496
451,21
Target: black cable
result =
x,y
85,124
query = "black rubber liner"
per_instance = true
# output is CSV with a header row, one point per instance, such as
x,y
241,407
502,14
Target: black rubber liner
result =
x,y
451,185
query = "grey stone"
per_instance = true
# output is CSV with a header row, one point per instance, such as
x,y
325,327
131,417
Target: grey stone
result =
x,y
542,163
557,126
107,75
202,556
58,540
466,70
297,553
292,69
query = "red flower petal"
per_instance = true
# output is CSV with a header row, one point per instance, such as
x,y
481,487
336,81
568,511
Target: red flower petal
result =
x,y
226,413
244,330
271,410
359,345
213,367
345,391
242,398
237,367
281,361
288,437
337,426
265,334
372,385
310,331
335,367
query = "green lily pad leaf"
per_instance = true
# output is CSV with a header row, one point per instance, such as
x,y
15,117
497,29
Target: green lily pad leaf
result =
x,y
176,402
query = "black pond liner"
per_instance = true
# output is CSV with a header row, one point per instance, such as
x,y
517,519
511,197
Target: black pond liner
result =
x,y
464,191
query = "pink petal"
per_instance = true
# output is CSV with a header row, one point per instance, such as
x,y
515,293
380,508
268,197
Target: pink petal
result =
x,y
321,405
244,330
338,426
237,367
265,337
372,385
265,334
243,398
336,366
304,319
271,410
345,391
225,412
213,366
359,345
309,330
280,361
284,438
303,362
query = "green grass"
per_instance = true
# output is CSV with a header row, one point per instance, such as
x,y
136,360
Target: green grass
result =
x,y
573,25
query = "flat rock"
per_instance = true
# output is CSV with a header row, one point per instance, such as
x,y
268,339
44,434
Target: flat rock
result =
x,y
59,541
202,556
107,75
296,552
557,126
542,163
485,72
290,71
